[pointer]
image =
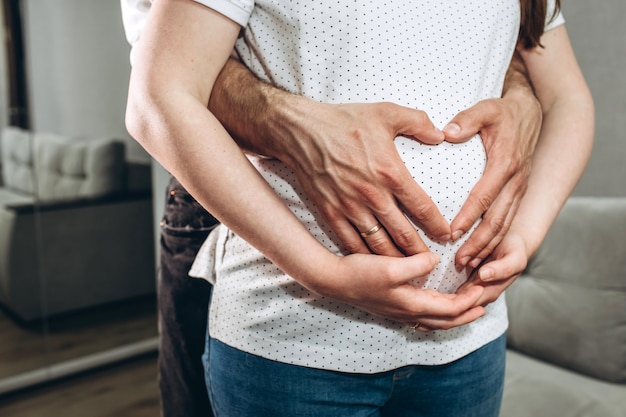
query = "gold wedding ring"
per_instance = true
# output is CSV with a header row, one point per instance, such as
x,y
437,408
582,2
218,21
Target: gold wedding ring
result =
x,y
371,231
416,326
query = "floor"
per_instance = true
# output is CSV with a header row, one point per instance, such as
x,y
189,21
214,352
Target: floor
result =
x,y
29,346
128,389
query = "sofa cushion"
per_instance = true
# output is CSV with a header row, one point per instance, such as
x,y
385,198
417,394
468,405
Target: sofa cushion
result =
x,y
53,167
68,169
533,388
17,160
10,198
569,306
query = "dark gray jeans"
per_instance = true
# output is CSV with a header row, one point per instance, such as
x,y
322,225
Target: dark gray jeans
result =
x,y
183,306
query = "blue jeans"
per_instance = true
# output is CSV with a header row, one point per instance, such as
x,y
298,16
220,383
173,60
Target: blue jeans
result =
x,y
245,385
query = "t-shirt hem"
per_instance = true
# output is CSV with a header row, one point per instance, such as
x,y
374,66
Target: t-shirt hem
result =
x,y
345,359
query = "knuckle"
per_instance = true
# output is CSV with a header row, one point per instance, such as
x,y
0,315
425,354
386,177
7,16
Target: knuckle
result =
x,y
425,212
391,175
515,163
482,201
377,244
352,246
496,223
406,238
329,213
370,195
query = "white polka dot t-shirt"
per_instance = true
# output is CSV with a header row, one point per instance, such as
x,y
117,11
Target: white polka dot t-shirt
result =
x,y
433,55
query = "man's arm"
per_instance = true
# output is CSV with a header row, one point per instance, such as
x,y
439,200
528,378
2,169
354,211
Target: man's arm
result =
x,y
345,158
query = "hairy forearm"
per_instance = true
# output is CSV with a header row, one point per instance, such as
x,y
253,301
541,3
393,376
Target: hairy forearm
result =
x,y
517,78
260,117
518,91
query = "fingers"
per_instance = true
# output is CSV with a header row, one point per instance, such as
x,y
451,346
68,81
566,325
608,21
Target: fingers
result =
x,y
470,121
480,200
377,239
508,265
384,286
493,226
423,212
413,123
397,236
392,236
428,324
445,311
502,268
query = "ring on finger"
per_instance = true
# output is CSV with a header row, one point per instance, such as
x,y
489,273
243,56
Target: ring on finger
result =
x,y
372,230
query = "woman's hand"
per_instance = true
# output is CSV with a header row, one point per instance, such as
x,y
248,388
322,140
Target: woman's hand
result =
x,y
500,269
383,287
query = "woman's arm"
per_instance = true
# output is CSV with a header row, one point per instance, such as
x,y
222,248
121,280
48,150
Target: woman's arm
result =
x,y
566,136
562,152
171,82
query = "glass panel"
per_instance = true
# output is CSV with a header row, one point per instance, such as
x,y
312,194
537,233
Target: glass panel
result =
x,y
22,348
84,242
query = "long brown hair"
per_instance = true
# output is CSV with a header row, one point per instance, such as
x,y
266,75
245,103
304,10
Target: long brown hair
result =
x,y
533,20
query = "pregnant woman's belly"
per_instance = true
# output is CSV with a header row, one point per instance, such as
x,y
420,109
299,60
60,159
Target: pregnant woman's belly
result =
x,y
447,172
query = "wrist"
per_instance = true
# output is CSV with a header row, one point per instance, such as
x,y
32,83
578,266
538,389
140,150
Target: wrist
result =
x,y
530,238
284,121
522,98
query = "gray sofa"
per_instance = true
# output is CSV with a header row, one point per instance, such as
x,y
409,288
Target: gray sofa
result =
x,y
567,336
76,224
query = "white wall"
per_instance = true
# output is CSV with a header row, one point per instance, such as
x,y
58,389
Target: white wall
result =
x,y
78,68
78,71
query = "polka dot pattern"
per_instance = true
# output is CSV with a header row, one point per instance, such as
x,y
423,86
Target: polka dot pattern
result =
x,y
437,56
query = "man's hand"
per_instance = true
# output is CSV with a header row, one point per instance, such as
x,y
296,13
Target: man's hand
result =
x,y
343,156
509,128
347,162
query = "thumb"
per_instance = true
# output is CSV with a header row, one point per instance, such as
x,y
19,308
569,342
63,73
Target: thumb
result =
x,y
507,267
417,125
469,122
412,267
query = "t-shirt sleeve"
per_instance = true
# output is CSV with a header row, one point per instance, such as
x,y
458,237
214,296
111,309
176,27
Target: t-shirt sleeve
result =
x,y
236,10
134,14
553,20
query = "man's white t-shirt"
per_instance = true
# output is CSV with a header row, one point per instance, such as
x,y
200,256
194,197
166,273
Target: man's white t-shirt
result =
x,y
438,56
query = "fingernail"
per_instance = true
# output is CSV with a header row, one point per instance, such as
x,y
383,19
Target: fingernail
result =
x,y
457,235
452,129
465,261
486,274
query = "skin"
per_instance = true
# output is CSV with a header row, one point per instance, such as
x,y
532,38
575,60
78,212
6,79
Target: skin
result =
x,y
345,158
563,150
172,81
